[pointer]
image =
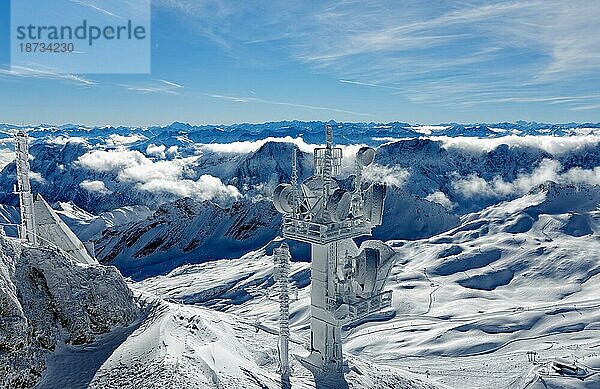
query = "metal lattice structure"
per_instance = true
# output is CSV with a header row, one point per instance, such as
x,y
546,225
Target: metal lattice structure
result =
x,y
347,281
27,228
281,257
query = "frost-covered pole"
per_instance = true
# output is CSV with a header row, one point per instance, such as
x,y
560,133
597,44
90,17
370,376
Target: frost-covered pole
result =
x,y
294,183
282,266
328,162
27,229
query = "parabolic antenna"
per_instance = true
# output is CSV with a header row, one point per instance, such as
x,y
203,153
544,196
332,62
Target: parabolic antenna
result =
x,y
339,205
282,198
365,156
374,201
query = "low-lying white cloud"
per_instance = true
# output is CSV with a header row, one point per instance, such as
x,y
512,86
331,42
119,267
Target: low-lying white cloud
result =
x,y
95,187
245,147
157,151
63,140
207,187
157,176
34,176
551,144
112,160
120,140
6,157
548,170
440,198
391,176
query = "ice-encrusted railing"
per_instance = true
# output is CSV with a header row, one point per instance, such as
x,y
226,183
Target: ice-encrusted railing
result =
x,y
324,233
363,307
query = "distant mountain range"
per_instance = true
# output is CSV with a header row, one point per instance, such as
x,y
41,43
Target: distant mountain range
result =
x,y
312,132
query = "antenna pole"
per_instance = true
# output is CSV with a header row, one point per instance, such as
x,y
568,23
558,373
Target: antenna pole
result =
x,y
282,264
295,204
27,229
328,162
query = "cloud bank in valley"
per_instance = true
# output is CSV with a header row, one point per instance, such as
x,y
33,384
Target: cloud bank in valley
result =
x,y
163,176
95,187
473,186
440,198
391,176
551,144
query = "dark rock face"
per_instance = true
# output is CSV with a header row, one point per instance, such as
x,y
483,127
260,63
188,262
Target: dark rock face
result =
x,y
45,298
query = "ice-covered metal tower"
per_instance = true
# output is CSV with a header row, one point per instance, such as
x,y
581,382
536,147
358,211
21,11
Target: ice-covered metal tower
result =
x,y
28,227
346,281
282,273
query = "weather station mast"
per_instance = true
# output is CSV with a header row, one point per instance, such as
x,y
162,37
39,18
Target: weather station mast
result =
x,y
346,281
27,228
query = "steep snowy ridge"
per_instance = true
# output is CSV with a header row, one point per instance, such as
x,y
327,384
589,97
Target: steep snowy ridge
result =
x,y
427,218
188,231
90,227
271,164
47,299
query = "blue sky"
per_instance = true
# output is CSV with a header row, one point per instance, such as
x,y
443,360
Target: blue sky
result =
x,y
419,61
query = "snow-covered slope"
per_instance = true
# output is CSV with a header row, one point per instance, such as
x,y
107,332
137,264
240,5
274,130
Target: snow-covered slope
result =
x,y
179,346
46,300
9,218
519,276
90,227
468,304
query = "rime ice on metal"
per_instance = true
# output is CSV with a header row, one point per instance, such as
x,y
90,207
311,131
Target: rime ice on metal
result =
x,y
281,274
347,281
27,228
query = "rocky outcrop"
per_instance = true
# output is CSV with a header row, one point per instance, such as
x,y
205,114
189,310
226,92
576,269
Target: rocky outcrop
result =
x,y
46,298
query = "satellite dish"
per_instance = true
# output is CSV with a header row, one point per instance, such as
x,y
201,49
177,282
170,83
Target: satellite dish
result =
x,y
339,205
282,198
374,201
365,156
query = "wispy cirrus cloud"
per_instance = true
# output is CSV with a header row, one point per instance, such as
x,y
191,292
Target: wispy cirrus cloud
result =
x,y
585,107
474,52
368,84
155,86
237,99
34,72
96,7
541,99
